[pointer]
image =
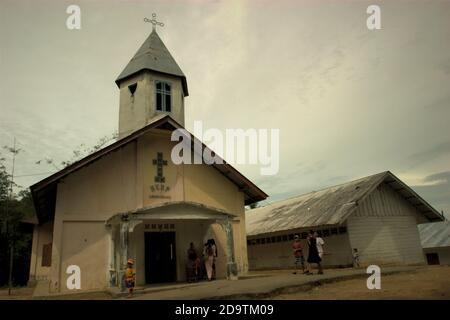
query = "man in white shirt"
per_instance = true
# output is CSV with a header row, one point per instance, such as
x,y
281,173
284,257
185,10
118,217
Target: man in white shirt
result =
x,y
319,243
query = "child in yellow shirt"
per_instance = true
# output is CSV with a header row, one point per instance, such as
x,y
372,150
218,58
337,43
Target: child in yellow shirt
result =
x,y
130,277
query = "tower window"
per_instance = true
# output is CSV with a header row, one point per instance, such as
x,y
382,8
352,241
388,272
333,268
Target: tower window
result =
x,y
132,88
163,96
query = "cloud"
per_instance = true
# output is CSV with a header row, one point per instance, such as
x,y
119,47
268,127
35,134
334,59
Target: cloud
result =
x,y
429,154
436,191
348,102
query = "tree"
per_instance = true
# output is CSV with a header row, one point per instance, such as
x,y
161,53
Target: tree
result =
x,y
80,152
4,182
15,235
15,239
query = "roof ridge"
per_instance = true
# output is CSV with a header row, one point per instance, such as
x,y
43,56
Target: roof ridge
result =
x,y
322,189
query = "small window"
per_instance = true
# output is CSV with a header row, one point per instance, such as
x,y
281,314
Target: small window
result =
x,y
46,255
291,237
342,230
278,238
334,231
163,96
132,88
285,237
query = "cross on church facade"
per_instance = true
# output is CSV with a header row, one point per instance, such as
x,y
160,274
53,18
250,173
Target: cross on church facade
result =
x,y
154,22
159,162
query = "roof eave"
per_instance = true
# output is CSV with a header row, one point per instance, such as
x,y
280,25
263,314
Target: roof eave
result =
x,y
436,215
182,77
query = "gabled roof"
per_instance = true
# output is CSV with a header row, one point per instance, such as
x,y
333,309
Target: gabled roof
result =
x,y
330,206
436,234
44,191
153,55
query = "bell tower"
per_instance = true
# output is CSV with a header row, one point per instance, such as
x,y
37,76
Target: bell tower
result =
x,y
152,84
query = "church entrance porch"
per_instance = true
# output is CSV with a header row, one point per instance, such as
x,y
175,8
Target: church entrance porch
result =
x,y
158,237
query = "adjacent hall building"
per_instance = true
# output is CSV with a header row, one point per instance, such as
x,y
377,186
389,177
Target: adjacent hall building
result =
x,y
378,215
129,200
435,239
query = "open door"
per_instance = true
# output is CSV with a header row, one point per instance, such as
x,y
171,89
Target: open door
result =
x,y
160,258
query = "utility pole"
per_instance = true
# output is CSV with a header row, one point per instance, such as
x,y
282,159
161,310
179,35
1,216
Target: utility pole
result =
x,y
11,244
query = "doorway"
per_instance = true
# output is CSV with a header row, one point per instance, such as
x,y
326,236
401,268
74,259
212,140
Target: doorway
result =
x,y
160,257
432,258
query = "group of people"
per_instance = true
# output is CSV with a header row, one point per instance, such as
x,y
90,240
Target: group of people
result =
x,y
315,253
196,269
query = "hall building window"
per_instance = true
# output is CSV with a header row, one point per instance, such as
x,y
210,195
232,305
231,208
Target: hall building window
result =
x,y
163,96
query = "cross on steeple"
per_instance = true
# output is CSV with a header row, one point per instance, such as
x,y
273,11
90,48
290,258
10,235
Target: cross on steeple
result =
x,y
154,22
159,162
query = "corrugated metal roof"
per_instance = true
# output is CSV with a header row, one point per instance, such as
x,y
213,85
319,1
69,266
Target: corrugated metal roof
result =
x,y
153,55
329,206
435,234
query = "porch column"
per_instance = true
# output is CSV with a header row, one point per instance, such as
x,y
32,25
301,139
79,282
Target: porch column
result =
x,y
112,256
232,273
123,235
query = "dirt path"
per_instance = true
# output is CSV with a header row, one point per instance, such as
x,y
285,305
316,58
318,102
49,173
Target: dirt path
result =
x,y
427,283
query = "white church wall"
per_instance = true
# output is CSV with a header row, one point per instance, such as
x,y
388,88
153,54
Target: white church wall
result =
x,y
101,189
85,244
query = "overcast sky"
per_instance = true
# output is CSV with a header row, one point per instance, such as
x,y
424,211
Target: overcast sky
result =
x,y
349,102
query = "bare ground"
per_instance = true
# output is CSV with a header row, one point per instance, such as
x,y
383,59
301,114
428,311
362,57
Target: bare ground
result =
x,y
432,282
25,293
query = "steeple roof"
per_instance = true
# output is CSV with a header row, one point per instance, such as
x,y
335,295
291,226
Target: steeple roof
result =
x,y
153,55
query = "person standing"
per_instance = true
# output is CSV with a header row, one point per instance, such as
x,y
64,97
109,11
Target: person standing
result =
x,y
209,253
320,243
299,259
313,253
130,277
213,243
355,258
193,264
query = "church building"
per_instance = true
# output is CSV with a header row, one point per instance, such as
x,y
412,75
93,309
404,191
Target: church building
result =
x,y
129,200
